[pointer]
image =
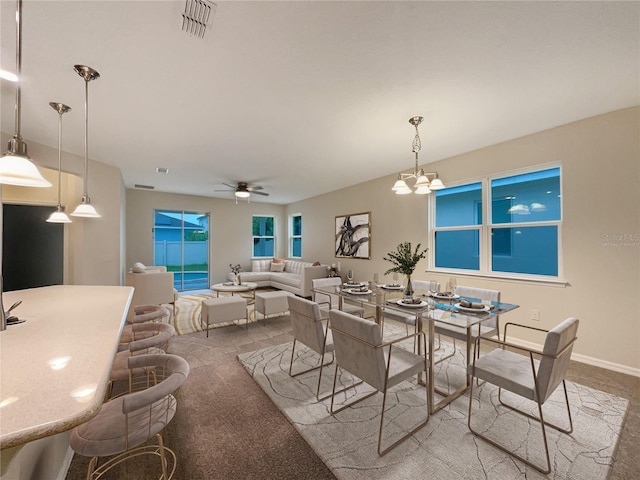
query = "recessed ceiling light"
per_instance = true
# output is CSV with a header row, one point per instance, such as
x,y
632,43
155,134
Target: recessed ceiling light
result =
x,y
162,170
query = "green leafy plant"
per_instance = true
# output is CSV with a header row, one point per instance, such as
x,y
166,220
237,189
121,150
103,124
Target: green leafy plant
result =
x,y
404,258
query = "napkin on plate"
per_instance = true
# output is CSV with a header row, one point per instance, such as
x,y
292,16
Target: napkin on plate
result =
x,y
468,304
412,301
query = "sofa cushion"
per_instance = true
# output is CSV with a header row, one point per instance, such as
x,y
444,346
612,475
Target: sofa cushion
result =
x,y
277,267
291,279
254,277
260,265
294,266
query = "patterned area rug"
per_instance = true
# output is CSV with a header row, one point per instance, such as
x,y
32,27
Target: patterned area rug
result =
x,y
444,448
188,308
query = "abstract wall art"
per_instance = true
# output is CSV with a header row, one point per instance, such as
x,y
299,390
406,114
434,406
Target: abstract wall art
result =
x,y
353,235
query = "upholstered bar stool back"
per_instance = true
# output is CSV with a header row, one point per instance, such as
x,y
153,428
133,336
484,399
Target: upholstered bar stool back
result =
x,y
124,425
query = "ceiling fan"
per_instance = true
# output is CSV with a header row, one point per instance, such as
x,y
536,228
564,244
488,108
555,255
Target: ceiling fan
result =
x,y
244,190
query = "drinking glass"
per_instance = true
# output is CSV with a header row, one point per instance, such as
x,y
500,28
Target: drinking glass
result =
x,y
375,278
395,278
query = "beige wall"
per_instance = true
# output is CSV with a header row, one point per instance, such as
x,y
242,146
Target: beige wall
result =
x,y
230,227
600,159
93,252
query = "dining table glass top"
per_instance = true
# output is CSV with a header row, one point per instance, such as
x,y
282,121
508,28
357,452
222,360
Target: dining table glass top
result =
x,y
437,308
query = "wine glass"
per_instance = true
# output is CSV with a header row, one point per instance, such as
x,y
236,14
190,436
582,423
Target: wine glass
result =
x,y
451,286
375,278
395,278
433,289
350,276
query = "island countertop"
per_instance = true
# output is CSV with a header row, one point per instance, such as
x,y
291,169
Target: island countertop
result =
x,y
55,367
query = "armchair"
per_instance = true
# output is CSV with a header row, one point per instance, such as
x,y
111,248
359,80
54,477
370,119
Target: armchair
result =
x,y
153,286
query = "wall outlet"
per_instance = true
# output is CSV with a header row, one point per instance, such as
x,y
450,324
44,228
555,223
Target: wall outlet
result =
x,y
535,315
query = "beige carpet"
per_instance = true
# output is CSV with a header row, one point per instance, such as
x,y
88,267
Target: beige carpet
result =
x,y
444,448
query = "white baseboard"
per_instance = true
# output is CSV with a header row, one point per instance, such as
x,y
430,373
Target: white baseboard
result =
x,y
62,474
596,362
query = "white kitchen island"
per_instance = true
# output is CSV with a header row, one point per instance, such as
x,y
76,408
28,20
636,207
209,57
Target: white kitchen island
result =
x,y
54,371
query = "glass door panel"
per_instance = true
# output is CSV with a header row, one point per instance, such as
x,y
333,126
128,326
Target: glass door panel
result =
x,y
181,243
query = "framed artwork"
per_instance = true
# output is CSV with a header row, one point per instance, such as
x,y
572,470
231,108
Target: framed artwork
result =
x,y
353,236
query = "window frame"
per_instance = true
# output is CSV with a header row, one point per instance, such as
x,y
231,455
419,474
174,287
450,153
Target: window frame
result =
x,y
293,237
253,237
487,225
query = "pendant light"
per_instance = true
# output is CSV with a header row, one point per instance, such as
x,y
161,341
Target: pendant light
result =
x,y
424,184
59,216
85,209
16,168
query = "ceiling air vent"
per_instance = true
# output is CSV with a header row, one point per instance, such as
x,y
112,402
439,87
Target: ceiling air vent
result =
x,y
146,187
162,170
197,17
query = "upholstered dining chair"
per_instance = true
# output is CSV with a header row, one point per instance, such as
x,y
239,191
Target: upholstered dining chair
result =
x,y
125,425
534,375
360,351
310,328
327,301
488,328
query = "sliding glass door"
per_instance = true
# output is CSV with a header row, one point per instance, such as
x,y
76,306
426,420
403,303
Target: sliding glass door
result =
x,y
181,242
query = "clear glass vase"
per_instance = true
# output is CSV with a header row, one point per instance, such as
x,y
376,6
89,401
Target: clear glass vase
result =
x,y
408,290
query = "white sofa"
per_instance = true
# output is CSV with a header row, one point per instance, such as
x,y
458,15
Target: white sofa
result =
x,y
296,276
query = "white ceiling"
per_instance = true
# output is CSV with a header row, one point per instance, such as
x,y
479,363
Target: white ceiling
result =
x,y
308,97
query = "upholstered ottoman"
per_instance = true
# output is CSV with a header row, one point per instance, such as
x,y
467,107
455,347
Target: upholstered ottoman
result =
x,y
268,303
223,309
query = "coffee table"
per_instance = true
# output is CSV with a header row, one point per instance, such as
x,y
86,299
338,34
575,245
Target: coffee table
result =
x,y
243,287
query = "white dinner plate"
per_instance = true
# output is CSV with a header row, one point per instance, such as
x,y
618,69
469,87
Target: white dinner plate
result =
x,y
353,291
353,285
411,305
485,308
393,287
445,297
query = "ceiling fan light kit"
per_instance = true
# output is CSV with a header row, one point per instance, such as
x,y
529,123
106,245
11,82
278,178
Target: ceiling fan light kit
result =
x,y
244,190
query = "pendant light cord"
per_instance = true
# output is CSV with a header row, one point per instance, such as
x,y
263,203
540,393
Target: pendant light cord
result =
x,y
18,63
86,136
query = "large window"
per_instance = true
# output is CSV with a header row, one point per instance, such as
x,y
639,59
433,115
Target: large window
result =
x,y
264,239
502,225
295,236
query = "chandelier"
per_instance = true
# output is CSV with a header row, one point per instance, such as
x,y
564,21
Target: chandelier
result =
x,y
425,181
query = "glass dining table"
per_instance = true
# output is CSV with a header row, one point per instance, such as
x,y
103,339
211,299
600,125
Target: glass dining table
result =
x,y
428,311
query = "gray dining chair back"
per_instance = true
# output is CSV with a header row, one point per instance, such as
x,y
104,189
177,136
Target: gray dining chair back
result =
x,y
361,358
360,350
306,321
534,375
554,363
309,328
327,301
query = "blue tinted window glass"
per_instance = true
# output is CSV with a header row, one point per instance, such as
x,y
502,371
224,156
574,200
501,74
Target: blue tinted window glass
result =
x,y
530,197
296,247
458,249
296,225
263,247
459,206
530,250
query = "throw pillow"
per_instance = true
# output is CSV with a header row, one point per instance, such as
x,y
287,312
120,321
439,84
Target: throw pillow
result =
x,y
316,264
277,260
138,268
277,267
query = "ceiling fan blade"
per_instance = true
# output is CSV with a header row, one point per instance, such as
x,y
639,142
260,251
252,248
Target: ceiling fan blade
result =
x,y
254,187
225,190
261,193
230,186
